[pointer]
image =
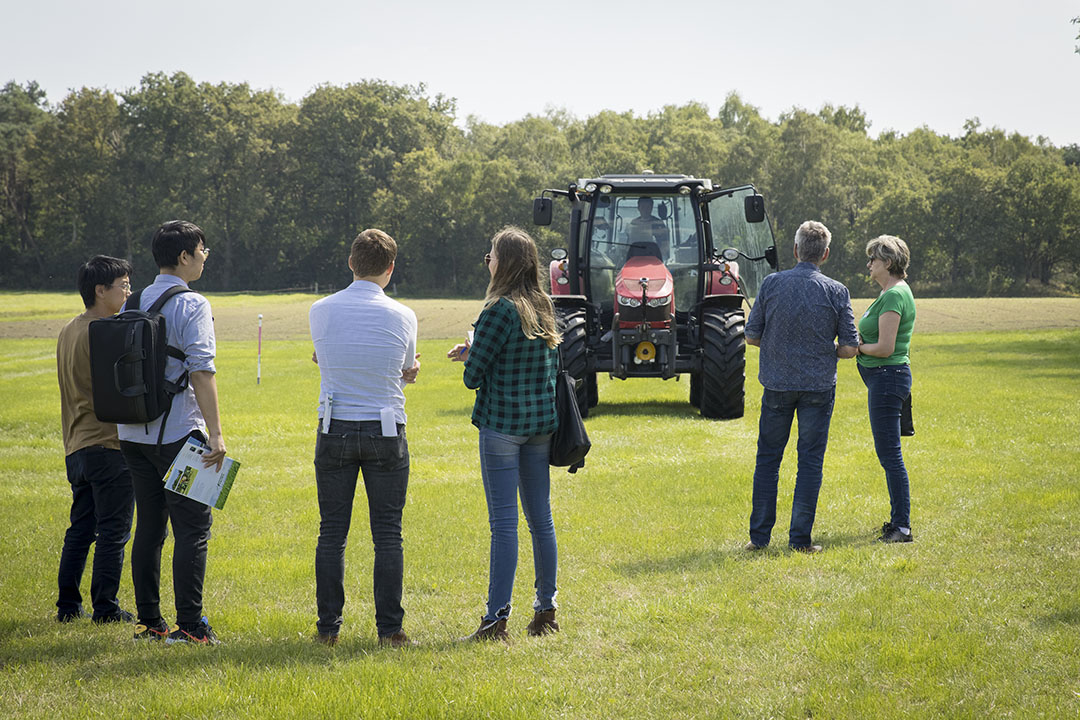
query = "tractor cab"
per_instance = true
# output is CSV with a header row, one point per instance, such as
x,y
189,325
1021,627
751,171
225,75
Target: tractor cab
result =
x,y
646,258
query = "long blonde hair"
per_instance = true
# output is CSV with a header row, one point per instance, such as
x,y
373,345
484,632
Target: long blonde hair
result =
x,y
517,278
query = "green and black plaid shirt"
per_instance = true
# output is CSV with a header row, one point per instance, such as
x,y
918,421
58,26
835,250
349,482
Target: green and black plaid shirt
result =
x,y
514,377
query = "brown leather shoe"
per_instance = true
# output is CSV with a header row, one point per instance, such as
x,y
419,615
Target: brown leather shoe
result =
x,y
808,549
489,630
543,623
397,640
327,639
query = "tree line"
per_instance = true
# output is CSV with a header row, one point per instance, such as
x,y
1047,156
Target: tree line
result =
x,y
281,188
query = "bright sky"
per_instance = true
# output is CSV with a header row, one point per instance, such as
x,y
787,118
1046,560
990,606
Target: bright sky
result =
x,y
919,62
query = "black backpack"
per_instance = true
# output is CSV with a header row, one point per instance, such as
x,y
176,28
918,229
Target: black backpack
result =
x,y
127,364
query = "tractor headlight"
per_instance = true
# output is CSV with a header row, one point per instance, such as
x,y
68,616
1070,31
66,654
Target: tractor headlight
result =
x,y
629,301
660,301
726,280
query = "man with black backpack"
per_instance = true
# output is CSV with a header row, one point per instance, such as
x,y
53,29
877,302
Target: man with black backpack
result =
x,y
101,496
180,252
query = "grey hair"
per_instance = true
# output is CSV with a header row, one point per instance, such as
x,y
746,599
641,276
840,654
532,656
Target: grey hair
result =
x,y
892,251
812,240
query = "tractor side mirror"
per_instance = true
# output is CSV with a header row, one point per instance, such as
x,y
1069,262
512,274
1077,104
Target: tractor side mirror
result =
x,y
754,208
662,211
770,256
542,211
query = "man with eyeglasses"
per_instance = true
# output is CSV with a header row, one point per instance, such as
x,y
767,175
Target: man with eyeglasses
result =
x,y
101,494
180,252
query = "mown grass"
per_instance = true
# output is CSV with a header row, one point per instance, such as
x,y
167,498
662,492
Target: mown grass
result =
x,y
663,614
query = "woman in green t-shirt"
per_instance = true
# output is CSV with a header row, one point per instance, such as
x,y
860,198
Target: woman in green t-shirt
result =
x,y
885,337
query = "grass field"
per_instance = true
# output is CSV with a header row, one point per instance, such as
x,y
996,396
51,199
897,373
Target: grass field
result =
x,y
663,615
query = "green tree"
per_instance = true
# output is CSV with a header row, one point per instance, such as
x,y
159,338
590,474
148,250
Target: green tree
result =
x,y
22,112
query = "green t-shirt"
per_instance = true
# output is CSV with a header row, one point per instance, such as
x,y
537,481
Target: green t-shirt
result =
x,y
897,299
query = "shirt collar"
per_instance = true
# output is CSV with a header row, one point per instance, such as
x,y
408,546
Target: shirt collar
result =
x,y
808,267
365,286
167,279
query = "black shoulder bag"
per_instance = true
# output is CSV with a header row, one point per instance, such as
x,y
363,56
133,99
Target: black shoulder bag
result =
x,y
569,443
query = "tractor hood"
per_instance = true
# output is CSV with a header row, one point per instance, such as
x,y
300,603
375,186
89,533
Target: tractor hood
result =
x,y
659,278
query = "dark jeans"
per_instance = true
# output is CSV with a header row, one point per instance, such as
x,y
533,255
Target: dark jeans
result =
x,y
101,507
351,448
156,508
778,408
887,387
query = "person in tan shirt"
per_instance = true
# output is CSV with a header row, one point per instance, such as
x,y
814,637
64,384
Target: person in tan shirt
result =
x,y
102,499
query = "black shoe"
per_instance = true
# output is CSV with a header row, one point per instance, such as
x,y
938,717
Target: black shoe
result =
x,y
202,634
151,631
66,616
891,534
120,616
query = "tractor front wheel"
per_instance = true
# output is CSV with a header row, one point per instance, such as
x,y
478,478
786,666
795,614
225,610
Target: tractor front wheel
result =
x,y
572,324
723,367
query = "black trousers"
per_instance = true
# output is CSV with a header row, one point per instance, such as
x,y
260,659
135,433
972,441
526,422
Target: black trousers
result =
x,y
101,506
155,509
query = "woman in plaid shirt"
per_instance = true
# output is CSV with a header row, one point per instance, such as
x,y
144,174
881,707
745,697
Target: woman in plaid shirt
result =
x,y
511,363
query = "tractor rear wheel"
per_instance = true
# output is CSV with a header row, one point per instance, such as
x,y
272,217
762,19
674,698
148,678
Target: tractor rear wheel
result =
x,y
574,335
723,367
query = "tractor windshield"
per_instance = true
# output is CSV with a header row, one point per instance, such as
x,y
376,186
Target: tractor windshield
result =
x,y
730,229
660,225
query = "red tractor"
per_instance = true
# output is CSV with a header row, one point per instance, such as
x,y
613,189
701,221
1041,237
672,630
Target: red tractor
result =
x,y
653,281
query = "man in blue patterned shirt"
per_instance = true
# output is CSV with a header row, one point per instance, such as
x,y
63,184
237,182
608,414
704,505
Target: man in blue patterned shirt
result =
x,y
802,321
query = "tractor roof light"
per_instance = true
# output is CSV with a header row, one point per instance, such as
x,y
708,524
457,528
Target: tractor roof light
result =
x,y
605,189
591,187
684,189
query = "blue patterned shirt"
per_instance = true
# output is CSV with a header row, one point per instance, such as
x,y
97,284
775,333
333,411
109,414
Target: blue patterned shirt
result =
x,y
798,315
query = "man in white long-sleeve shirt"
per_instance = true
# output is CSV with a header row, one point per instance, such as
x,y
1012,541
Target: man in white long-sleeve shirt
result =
x,y
365,346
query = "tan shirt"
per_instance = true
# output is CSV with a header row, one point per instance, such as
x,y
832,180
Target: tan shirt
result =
x,y
81,427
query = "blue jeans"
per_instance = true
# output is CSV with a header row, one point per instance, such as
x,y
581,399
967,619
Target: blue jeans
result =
x,y
778,408
887,387
101,507
512,464
349,449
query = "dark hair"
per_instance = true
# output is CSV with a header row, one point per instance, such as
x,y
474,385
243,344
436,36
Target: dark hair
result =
x,y
173,238
372,252
99,270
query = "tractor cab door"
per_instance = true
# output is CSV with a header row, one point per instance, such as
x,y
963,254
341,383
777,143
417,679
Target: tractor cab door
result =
x,y
725,219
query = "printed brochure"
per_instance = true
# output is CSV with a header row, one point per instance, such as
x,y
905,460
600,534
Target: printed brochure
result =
x,y
188,476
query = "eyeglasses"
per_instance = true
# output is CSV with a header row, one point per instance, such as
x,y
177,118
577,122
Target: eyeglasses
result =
x,y
125,286
205,251
487,259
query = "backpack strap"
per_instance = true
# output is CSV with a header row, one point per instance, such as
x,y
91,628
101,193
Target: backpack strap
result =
x,y
132,303
171,388
164,298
